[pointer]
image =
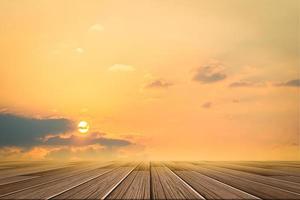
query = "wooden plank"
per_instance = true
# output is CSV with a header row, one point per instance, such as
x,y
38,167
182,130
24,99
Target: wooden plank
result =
x,y
260,169
271,163
171,180
167,185
289,169
135,186
208,187
286,185
239,181
15,179
28,170
295,179
46,171
277,173
99,187
286,173
54,176
49,189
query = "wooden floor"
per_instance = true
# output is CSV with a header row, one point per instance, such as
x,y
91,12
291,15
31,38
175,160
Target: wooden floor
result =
x,y
150,180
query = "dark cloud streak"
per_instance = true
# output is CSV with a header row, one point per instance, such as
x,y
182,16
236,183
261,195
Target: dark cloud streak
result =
x,y
290,83
159,84
238,84
93,138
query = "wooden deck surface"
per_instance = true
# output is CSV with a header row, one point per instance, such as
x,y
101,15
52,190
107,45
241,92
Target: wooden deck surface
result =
x,y
150,180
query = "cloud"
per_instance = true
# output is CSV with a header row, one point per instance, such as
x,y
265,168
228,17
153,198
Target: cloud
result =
x,y
290,83
210,73
96,28
158,84
89,152
91,139
121,67
246,84
42,138
95,152
26,131
207,105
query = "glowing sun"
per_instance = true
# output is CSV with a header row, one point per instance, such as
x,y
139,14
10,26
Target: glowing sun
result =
x,y
83,127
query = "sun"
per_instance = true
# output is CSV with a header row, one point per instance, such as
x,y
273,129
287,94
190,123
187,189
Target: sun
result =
x,y
83,127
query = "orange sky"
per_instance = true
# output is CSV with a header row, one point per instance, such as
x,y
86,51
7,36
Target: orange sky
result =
x,y
204,80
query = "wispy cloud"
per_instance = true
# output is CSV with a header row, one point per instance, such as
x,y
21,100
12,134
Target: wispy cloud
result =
x,y
91,139
290,83
158,84
210,73
246,84
121,67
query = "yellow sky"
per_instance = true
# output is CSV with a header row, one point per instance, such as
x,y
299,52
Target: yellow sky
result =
x,y
182,79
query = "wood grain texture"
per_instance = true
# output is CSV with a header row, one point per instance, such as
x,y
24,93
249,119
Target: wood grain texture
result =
x,y
257,187
99,187
208,187
286,185
45,177
165,185
135,186
150,180
284,172
14,179
261,169
47,186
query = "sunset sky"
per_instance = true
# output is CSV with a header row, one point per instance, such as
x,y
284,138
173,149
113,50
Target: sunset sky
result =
x,y
159,79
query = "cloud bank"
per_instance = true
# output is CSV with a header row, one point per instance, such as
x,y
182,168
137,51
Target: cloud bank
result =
x,y
24,131
36,138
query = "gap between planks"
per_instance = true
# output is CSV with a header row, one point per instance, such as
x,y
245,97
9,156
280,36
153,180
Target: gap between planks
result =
x,y
113,188
185,183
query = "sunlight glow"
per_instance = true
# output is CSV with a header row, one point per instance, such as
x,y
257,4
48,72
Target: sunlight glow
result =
x,y
83,127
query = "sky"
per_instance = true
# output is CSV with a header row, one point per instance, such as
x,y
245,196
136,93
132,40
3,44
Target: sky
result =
x,y
155,80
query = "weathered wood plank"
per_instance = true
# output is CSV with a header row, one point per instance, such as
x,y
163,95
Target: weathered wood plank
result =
x,y
295,179
43,178
28,170
99,187
255,187
208,187
135,186
290,186
261,169
166,185
165,180
45,186
287,168
270,171
14,179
